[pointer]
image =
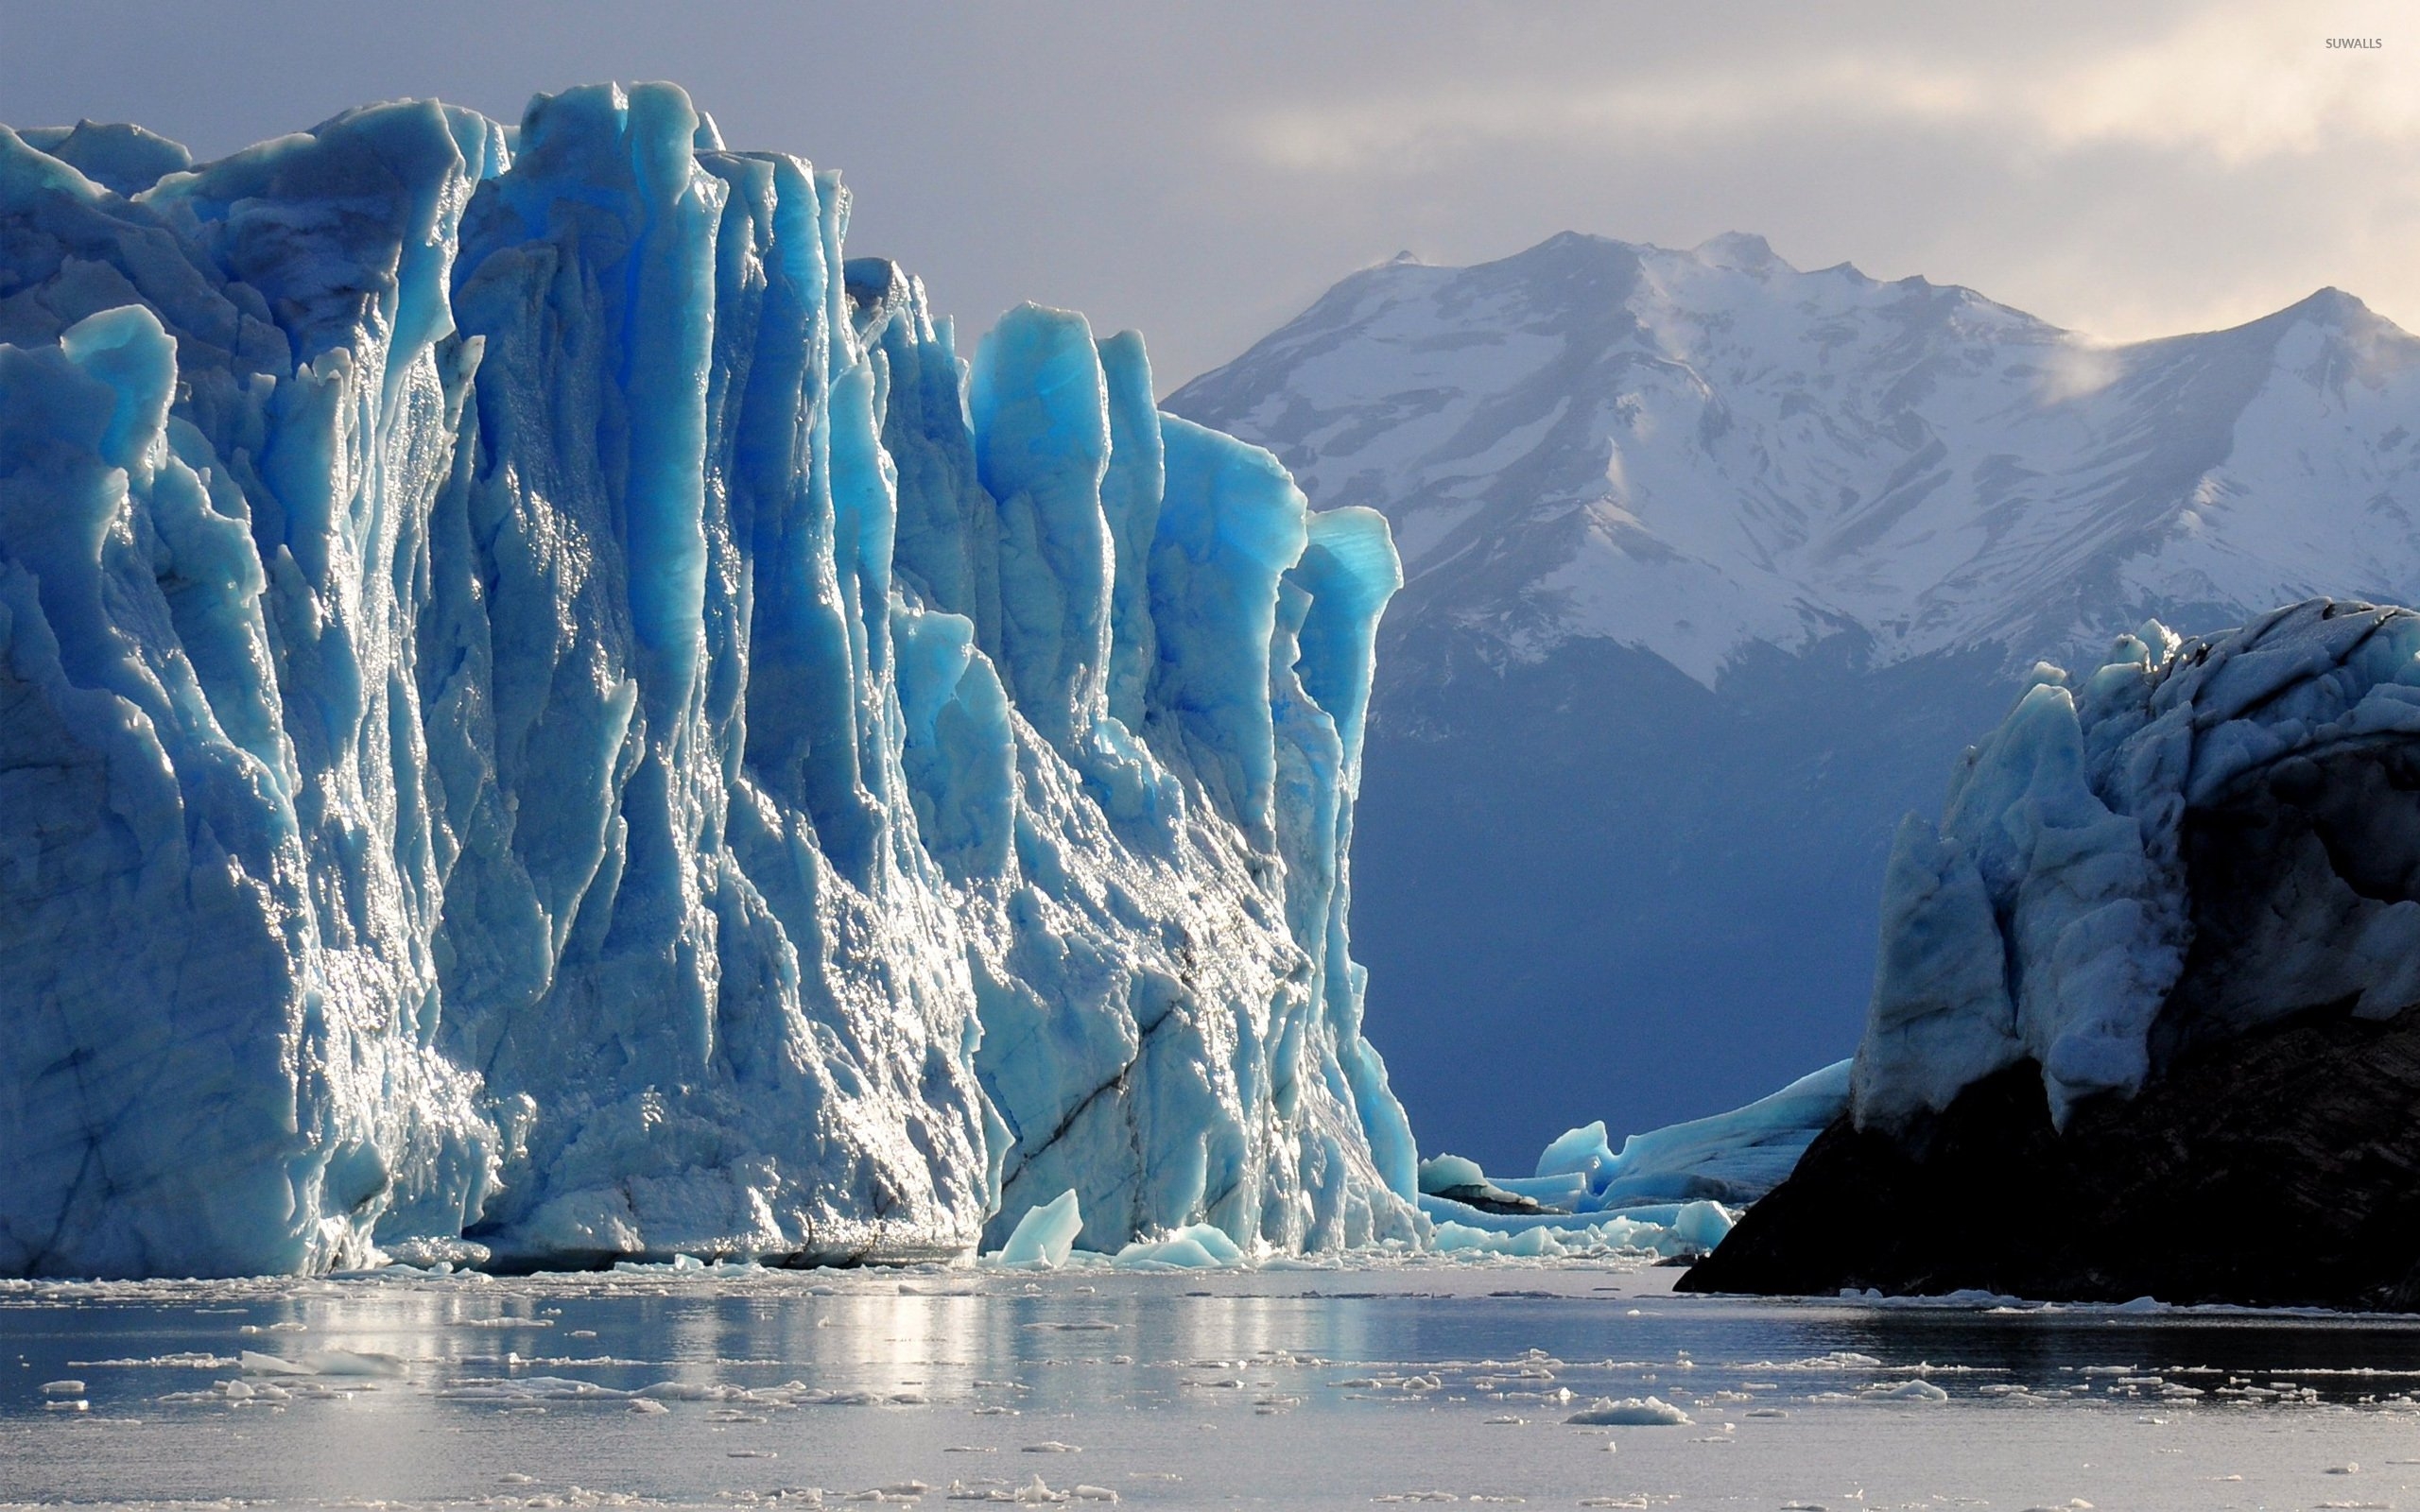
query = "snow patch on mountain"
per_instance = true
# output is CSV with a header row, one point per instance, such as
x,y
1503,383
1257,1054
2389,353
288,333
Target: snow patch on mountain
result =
x,y
1692,452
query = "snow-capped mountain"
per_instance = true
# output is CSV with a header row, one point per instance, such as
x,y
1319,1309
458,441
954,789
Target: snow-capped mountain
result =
x,y
1713,563
1695,452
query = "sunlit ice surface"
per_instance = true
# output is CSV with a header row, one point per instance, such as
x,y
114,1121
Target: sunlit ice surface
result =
x,y
1407,1381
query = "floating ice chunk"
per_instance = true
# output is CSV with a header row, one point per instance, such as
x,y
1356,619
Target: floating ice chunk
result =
x,y
1908,1391
62,1388
1563,1191
1702,1225
1045,1235
1735,1157
1195,1247
256,1364
425,1254
1630,1411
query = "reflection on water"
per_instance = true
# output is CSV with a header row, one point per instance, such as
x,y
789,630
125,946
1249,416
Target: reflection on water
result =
x,y
1291,1388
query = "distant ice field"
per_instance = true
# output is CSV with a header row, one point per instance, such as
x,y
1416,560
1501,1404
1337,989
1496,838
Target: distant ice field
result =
x,y
1314,1386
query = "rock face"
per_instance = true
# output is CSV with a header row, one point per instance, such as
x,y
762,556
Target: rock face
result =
x,y
541,708
2278,1169
2148,1021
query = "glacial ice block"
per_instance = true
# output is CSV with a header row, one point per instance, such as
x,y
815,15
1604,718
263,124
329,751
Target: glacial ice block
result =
x,y
1735,1157
2047,916
538,714
1045,1235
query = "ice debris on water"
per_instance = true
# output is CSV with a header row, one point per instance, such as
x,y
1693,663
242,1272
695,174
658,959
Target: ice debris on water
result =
x,y
1194,1246
542,696
1908,1391
1630,1411
321,1363
1672,1190
1035,1491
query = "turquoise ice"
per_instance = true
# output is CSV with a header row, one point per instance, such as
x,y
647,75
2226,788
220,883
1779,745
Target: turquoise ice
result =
x,y
541,706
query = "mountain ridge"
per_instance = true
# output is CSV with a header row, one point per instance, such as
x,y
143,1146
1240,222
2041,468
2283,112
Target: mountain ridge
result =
x,y
1713,568
1827,399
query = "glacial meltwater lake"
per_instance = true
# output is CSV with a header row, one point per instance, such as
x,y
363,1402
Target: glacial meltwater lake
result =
x,y
1417,1381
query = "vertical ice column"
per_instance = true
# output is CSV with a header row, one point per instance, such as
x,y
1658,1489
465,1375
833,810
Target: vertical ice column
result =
x,y
1039,410
756,1038
283,514
153,931
339,457
949,529
806,705
575,267
1130,499
960,753
1229,525
1350,570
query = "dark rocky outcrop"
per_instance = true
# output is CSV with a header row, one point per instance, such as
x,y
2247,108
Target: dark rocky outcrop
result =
x,y
2280,1168
2272,1158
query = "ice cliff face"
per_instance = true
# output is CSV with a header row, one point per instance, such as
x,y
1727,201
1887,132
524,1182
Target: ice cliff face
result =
x,y
1715,565
2205,837
537,703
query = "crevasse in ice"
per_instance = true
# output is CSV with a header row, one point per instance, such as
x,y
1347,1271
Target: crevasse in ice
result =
x,y
540,706
2051,916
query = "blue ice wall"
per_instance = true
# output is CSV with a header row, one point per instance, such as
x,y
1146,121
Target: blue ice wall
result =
x,y
545,713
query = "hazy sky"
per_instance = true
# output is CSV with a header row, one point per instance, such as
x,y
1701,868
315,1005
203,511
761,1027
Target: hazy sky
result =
x,y
1204,171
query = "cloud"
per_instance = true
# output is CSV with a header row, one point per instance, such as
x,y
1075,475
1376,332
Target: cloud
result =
x,y
1412,132
2240,84
1204,168
2236,85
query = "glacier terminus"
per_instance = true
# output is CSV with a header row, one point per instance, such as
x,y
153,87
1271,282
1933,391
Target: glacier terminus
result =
x,y
546,716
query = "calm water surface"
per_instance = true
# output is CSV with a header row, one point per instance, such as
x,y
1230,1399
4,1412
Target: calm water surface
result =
x,y
1425,1382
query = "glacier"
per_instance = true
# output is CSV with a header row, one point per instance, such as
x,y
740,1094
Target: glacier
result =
x,y
549,715
2052,916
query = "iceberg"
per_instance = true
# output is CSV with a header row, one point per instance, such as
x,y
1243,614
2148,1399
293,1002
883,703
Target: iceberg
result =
x,y
1046,1236
544,708
1194,1246
1673,1190
1637,1412
1735,1157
